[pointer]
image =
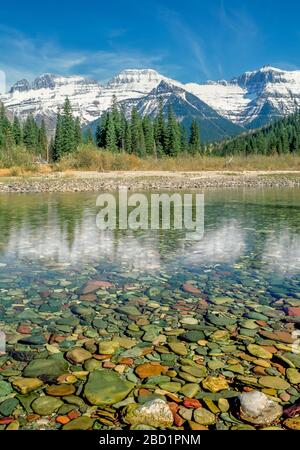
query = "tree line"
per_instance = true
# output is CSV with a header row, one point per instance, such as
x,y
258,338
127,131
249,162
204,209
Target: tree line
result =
x,y
143,136
29,134
280,137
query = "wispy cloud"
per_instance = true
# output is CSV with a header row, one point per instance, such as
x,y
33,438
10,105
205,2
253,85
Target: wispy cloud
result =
x,y
186,36
24,57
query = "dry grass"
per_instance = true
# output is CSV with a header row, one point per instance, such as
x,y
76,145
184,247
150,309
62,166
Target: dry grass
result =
x,y
89,158
18,162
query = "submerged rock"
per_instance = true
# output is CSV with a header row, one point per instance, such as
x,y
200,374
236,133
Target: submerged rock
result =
x,y
155,413
258,409
48,367
106,388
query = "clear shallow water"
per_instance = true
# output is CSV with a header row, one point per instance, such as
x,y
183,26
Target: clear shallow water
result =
x,y
192,307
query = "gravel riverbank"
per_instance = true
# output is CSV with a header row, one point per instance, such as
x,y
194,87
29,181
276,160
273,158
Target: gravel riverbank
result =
x,y
95,181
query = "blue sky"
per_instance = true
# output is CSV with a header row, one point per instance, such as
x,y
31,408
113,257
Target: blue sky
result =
x,y
193,40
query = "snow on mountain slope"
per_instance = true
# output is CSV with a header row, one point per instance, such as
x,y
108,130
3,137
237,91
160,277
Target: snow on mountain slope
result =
x,y
250,100
254,98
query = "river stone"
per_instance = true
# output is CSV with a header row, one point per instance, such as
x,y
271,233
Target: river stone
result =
x,y
92,364
49,367
108,347
292,423
147,370
260,352
46,405
293,375
26,385
215,384
199,372
80,423
274,382
7,407
178,347
5,388
106,388
258,409
170,386
129,310
221,319
204,417
33,340
192,336
190,390
78,355
60,390
155,413
189,321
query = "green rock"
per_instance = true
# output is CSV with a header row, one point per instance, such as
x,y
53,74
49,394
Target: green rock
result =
x,y
259,352
5,388
8,406
129,310
92,364
293,375
274,382
178,347
204,417
215,364
198,372
46,405
81,423
190,390
170,386
192,336
46,367
106,388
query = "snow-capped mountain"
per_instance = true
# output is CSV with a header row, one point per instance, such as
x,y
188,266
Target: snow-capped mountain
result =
x,y
254,98
247,101
186,107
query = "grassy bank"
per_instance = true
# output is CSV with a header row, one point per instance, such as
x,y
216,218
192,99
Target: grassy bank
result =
x,y
21,162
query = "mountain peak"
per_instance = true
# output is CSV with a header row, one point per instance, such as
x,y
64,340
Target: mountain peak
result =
x,y
135,76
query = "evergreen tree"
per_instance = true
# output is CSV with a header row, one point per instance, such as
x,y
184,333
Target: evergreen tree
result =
x,y
17,131
159,129
68,143
135,132
30,134
88,137
57,144
194,138
128,141
77,132
43,141
110,135
173,138
149,135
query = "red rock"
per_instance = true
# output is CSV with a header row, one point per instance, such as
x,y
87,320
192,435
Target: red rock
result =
x,y
191,403
62,419
285,397
261,323
6,420
102,357
191,289
202,304
247,389
24,329
292,411
45,294
32,417
280,336
126,361
144,391
149,369
294,311
179,421
173,407
109,365
94,285
73,414
88,298
280,368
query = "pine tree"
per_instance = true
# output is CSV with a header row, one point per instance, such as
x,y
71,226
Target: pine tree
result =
x,y
77,132
57,145
135,131
43,141
159,129
110,135
101,130
68,143
173,141
194,138
30,134
17,131
149,135
128,141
